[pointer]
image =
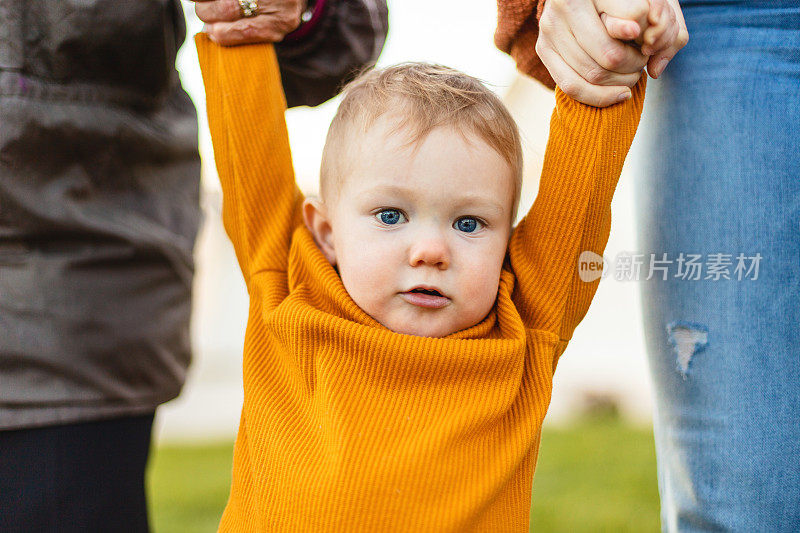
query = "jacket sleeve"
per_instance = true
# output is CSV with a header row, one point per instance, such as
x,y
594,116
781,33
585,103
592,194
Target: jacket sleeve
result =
x,y
572,211
340,39
245,103
516,34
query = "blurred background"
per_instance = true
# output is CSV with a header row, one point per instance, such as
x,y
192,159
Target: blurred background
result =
x,y
597,464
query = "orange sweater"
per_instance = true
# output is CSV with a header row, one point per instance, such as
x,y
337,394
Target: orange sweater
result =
x,y
347,426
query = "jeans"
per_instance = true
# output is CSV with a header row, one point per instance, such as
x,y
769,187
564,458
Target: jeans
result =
x,y
720,138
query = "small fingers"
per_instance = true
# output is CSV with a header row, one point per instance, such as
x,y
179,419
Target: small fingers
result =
x,y
682,38
625,9
618,28
656,11
661,58
663,30
628,10
663,41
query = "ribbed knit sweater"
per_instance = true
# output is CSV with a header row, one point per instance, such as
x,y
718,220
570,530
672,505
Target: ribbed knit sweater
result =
x,y
348,426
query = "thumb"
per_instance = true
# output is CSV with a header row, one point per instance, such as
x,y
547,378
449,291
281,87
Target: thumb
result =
x,y
618,28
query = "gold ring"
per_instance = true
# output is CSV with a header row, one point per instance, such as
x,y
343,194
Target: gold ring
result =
x,y
248,8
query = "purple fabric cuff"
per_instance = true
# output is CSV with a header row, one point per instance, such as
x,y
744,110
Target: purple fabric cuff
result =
x,y
308,26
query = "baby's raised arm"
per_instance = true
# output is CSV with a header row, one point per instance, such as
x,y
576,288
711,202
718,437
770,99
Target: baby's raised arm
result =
x,y
261,202
572,212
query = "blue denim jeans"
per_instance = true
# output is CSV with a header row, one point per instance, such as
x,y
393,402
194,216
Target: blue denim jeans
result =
x,y
721,144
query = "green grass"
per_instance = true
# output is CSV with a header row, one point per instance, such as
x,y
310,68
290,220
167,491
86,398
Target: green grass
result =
x,y
188,487
595,476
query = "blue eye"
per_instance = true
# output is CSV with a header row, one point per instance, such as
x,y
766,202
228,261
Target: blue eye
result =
x,y
467,224
390,216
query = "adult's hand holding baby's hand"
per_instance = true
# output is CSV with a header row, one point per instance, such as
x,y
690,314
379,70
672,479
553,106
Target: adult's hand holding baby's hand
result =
x,y
226,24
587,44
663,36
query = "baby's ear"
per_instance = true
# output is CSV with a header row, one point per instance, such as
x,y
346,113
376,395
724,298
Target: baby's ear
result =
x,y
315,215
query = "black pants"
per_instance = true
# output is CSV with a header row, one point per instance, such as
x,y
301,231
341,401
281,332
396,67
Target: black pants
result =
x,y
75,477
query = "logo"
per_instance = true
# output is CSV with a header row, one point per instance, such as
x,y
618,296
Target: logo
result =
x,y
591,266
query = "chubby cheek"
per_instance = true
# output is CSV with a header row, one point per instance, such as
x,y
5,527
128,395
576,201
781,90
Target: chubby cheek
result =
x,y
368,270
478,281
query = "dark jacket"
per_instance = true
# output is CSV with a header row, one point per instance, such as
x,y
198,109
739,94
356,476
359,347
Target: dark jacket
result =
x,y
99,208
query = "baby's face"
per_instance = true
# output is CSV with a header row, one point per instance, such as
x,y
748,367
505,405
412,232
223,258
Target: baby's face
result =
x,y
419,232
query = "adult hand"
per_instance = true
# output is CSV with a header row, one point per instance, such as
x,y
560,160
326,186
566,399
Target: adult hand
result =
x,y
586,55
225,24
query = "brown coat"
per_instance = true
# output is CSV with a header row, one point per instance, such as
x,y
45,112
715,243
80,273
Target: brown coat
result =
x,y
516,34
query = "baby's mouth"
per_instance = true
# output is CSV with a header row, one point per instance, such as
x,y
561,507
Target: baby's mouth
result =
x,y
424,296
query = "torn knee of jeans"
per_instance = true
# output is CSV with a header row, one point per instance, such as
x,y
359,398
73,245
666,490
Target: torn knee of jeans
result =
x,y
687,339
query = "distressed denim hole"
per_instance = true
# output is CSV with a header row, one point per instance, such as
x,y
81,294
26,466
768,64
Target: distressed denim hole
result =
x,y
687,339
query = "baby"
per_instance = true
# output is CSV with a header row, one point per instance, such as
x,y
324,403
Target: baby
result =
x,y
402,335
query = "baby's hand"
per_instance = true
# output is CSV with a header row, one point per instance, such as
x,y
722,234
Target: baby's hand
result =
x,y
659,35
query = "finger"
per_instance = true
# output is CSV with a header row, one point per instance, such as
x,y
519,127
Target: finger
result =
x,y
662,22
218,10
663,41
656,12
593,38
633,10
683,34
557,35
258,29
572,54
636,10
575,86
659,61
656,26
622,29
656,65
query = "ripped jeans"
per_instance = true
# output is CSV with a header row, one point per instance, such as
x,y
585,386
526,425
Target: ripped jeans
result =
x,y
720,140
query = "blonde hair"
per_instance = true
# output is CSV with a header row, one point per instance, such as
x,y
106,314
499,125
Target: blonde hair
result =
x,y
425,96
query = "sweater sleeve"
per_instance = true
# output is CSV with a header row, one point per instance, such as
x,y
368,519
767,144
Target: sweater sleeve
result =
x,y
261,202
516,34
572,211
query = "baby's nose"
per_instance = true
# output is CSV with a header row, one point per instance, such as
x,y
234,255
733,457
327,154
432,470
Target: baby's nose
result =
x,y
431,251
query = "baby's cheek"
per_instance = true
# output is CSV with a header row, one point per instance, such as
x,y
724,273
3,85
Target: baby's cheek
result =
x,y
357,277
485,295
365,276
481,286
